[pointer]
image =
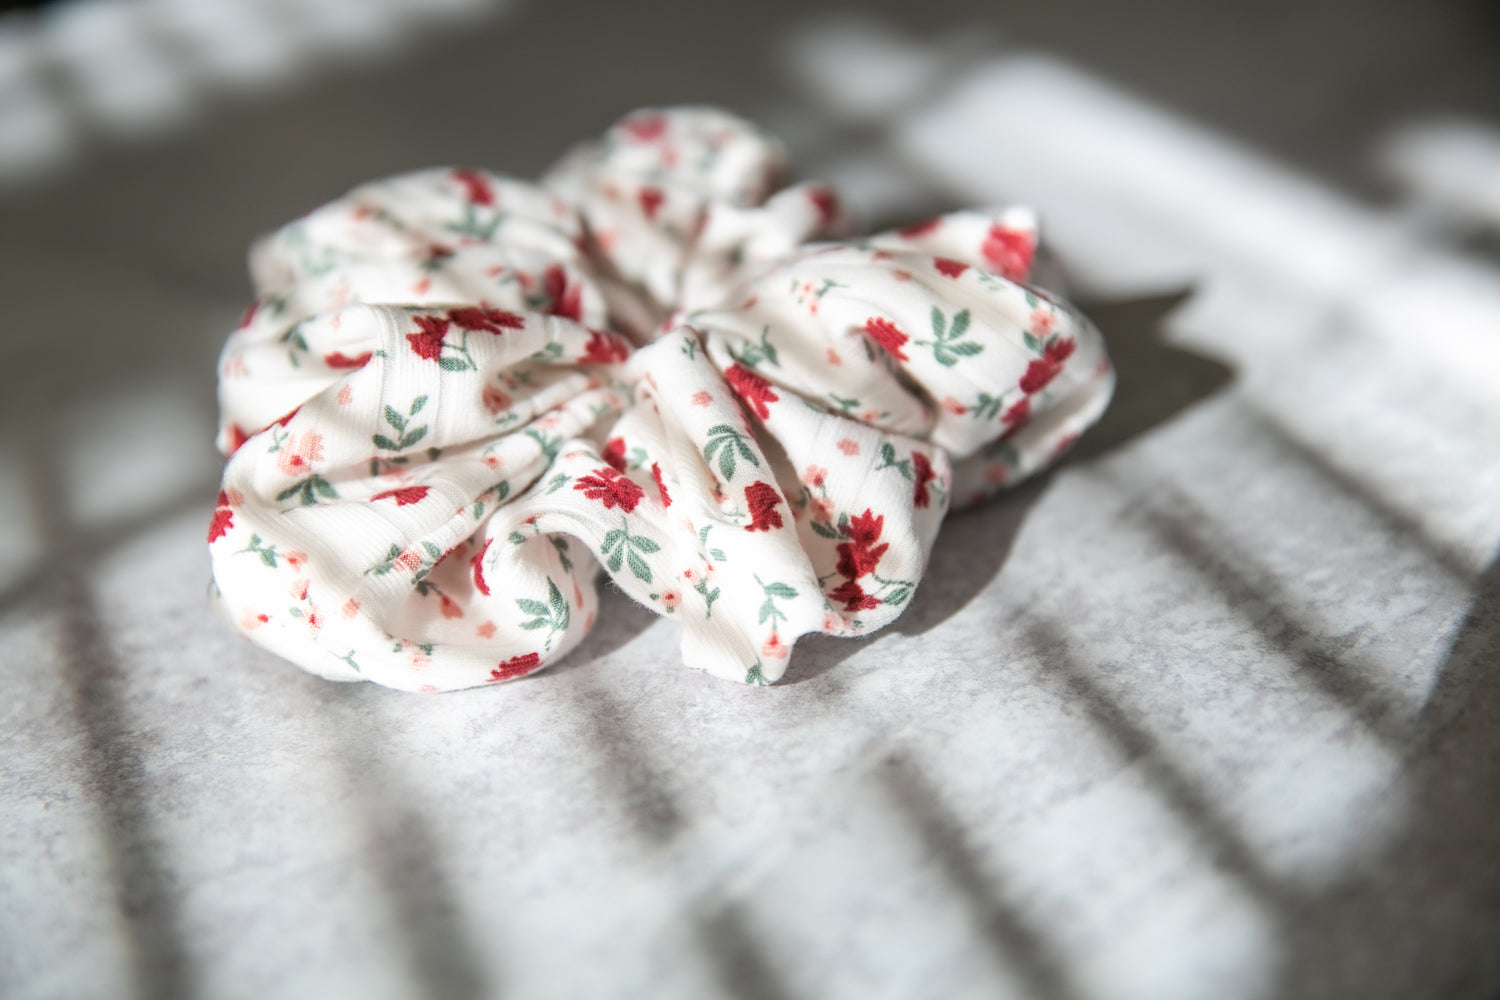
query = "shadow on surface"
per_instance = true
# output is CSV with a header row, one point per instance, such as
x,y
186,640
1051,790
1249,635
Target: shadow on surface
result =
x,y
1156,381
1021,948
405,858
1426,880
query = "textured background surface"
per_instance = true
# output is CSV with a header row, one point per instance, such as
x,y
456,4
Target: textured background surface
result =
x,y
1213,710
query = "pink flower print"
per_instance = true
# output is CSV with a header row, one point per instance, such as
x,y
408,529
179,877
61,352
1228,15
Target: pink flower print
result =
x,y
495,321
650,199
815,476
449,607
566,296
296,560
252,619
833,357
701,398
1009,252
822,509
774,649
345,396
611,489
299,452
922,471
670,599
614,453
762,499
350,608
754,390
248,316
604,348
223,519
860,555
921,229
646,127
476,186
848,446
476,567
237,437
404,495
516,666
495,400
661,486
299,589
954,407
427,342
949,267
885,333
409,559
486,631
1042,321
337,359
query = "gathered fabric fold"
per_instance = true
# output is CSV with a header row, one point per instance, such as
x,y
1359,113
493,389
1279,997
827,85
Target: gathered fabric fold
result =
x,y
458,397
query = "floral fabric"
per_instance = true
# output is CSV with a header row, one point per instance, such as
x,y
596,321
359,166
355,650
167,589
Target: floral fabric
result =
x,y
459,396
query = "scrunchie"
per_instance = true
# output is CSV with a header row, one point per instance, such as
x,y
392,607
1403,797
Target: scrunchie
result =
x,y
458,396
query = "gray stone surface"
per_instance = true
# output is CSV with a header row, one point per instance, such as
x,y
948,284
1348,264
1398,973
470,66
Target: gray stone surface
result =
x,y
1211,710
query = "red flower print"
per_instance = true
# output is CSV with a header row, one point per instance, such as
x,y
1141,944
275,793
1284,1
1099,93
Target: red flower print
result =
x,y
949,267
566,296
1009,252
661,487
611,489
428,342
650,199
338,359
762,499
249,315
516,666
286,418
884,333
921,229
604,348
854,597
223,519
827,204
404,495
1018,415
755,391
476,186
614,453
924,475
1041,372
646,127
476,567
237,437
860,555
1038,375
494,321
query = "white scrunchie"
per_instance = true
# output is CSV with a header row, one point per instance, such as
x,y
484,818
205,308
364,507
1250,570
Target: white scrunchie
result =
x,y
457,396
